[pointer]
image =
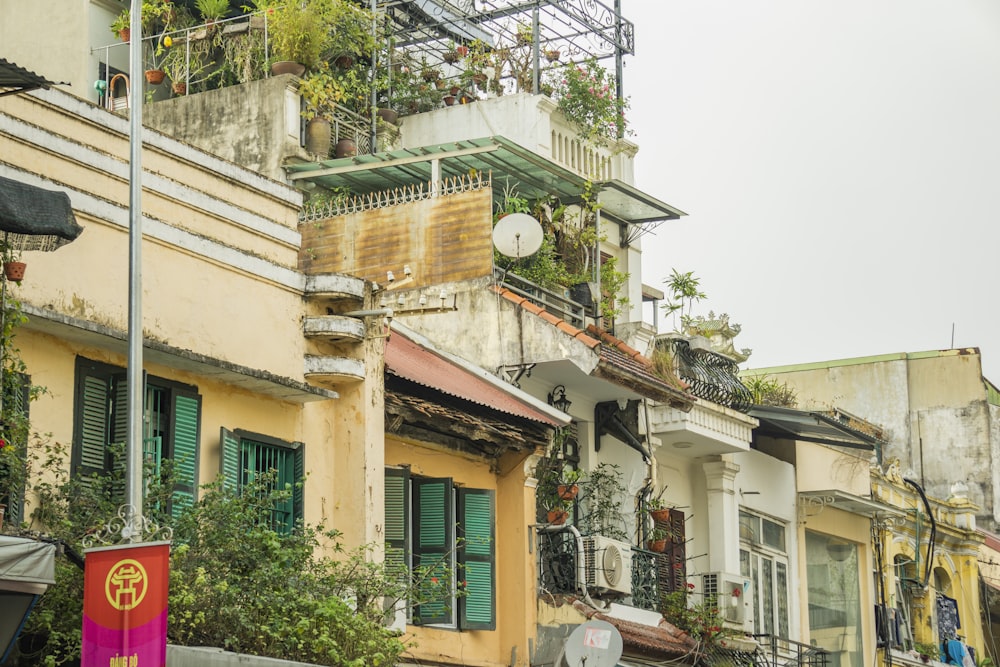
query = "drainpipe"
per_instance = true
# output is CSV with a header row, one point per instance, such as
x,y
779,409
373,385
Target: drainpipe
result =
x,y
929,563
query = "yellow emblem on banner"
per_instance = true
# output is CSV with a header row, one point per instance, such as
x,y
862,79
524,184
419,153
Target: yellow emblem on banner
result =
x,y
126,585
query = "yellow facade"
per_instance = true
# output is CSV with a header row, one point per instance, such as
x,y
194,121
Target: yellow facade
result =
x,y
916,569
515,570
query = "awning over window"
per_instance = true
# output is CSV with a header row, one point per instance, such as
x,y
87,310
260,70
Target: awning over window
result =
x,y
32,218
810,427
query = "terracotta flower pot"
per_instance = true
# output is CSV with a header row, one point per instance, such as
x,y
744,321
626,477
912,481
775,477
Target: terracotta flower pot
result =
x,y
318,135
155,76
180,88
346,148
660,516
14,271
125,34
287,67
567,491
557,517
388,115
449,100
659,546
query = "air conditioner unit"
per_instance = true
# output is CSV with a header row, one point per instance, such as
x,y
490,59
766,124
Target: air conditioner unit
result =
x,y
608,564
732,593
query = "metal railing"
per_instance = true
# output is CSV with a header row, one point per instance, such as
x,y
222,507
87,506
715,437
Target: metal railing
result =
x,y
559,305
777,651
710,375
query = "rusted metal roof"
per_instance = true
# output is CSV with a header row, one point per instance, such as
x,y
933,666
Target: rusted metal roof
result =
x,y
414,362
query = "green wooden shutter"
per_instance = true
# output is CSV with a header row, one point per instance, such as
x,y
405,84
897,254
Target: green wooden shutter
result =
x,y
17,400
397,533
185,431
476,559
433,550
299,472
92,426
118,436
230,464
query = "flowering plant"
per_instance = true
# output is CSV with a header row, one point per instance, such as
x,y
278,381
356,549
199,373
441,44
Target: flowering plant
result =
x,y
703,620
586,96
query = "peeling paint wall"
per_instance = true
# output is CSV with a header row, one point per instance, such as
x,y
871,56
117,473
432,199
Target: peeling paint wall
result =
x,y
933,407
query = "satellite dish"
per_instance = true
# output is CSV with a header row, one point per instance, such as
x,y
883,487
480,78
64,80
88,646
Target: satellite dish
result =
x,y
593,644
517,235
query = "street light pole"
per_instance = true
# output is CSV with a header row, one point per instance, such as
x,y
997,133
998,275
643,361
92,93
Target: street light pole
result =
x,y
132,530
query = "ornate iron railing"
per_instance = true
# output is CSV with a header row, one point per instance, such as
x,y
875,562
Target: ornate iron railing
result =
x,y
557,562
710,375
646,590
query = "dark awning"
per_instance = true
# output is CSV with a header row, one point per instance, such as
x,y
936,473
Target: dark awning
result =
x,y
14,79
35,219
809,427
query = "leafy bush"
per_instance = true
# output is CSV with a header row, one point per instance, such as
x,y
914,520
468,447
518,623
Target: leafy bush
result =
x,y
235,582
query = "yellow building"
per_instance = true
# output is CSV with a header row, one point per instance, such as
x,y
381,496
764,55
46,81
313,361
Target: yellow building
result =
x,y
928,562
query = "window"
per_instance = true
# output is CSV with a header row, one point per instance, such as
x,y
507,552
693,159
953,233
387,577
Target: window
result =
x,y
764,562
435,528
834,595
246,455
170,425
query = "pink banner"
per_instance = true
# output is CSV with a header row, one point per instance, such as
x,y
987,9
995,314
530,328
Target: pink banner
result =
x,y
125,606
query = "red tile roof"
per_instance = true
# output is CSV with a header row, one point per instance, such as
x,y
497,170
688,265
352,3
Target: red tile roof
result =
x,y
663,641
406,359
619,363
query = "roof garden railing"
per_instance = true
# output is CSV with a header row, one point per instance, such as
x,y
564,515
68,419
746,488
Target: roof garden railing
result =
x,y
559,305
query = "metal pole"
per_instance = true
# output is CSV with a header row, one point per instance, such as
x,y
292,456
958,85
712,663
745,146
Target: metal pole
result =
x,y
372,114
133,459
619,92
535,57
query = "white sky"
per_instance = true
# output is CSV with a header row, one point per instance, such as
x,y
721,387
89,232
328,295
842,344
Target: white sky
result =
x,y
839,163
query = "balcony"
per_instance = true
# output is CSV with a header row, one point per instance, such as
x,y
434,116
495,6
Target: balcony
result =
x,y
710,375
707,429
572,564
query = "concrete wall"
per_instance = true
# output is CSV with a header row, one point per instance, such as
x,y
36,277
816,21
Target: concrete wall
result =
x,y
256,124
933,407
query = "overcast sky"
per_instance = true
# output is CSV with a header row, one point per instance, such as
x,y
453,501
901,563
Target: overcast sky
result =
x,y
839,163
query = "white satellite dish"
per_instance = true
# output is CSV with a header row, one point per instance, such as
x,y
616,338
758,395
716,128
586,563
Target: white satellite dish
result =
x,y
517,235
593,644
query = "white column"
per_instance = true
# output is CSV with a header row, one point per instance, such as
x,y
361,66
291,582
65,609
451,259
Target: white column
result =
x,y
723,516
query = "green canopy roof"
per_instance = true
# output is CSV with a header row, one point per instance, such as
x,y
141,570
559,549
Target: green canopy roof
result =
x,y
534,176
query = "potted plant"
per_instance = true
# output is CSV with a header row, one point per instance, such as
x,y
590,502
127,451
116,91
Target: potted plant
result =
x,y
557,513
13,267
567,489
212,10
927,651
657,540
605,493
299,35
188,65
320,92
585,94
122,25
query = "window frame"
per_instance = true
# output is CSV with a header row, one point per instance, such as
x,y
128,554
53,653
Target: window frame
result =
x,y
234,474
757,551
181,443
416,509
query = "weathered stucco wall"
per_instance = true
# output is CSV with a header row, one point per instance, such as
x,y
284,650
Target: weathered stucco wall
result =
x,y
933,407
256,124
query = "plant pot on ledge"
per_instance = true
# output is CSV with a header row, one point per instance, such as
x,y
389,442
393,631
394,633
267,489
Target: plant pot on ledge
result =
x,y
345,148
287,67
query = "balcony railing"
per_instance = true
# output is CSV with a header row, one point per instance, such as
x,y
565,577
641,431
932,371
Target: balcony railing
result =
x,y
777,651
710,375
559,305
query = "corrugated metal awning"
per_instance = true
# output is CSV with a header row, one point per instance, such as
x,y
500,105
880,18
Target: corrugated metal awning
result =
x,y
816,427
534,176
413,361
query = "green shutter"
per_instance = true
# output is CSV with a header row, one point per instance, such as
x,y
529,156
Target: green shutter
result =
x,y
185,450
433,550
476,559
397,543
92,428
299,472
231,473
